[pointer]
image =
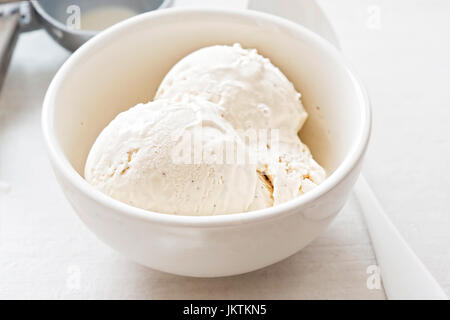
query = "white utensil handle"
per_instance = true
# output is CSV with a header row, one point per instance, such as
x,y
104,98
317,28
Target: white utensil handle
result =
x,y
404,276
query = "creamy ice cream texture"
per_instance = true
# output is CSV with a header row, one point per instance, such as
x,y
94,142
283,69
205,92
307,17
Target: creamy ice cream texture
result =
x,y
250,91
134,160
149,156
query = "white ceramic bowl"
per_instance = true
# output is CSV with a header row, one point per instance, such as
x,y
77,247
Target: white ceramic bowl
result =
x,y
124,65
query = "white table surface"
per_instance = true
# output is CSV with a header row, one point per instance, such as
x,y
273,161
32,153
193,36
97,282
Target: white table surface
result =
x,y
46,252
403,58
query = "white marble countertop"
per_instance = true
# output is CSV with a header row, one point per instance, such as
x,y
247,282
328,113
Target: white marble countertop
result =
x,y
399,48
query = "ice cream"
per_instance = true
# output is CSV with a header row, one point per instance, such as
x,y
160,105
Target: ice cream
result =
x,y
146,158
192,150
251,94
292,171
250,90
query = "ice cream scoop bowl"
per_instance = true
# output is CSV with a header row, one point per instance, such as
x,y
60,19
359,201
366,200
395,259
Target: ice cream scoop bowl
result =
x,y
124,65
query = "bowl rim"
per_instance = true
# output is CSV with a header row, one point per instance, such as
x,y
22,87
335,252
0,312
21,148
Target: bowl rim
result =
x,y
62,165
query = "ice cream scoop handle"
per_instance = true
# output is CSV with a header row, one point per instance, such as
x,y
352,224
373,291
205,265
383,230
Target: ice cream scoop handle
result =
x,y
9,32
403,275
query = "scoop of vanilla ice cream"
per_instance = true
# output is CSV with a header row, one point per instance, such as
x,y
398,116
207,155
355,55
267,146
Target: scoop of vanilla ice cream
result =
x,y
250,90
291,170
148,157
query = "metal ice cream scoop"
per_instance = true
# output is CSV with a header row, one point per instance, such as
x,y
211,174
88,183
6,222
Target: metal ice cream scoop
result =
x,y
69,22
